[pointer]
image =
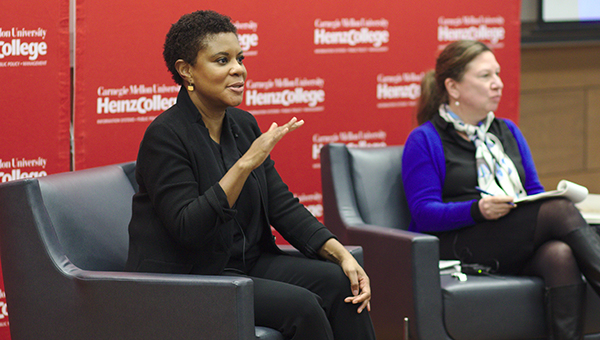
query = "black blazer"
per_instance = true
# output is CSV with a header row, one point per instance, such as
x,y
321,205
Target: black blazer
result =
x,y
181,220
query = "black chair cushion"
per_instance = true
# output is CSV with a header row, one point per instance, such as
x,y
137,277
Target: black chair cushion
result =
x,y
498,307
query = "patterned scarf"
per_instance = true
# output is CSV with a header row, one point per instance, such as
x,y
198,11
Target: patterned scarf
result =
x,y
496,173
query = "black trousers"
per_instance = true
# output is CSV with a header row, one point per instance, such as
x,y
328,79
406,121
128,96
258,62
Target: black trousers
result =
x,y
304,299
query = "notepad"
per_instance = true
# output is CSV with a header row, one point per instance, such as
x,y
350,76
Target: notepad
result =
x,y
567,189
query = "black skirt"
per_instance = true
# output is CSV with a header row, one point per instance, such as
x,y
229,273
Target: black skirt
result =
x,y
505,244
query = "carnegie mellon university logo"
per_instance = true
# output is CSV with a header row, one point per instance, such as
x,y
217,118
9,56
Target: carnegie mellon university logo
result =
x,y
23,47
351,35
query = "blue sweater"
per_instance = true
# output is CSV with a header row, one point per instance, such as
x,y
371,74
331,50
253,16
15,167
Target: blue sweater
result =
x,y
424,173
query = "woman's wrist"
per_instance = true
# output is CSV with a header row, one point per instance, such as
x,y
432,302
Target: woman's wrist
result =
x,y
334,251
476,213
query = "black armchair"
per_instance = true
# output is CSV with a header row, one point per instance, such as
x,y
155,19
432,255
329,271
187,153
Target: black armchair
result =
x,y
364,204
64,245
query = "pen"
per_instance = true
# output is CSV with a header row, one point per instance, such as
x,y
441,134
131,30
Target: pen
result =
x,y
488,193
483,191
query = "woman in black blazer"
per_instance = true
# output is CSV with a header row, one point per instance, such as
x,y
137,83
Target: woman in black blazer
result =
x,y
209,192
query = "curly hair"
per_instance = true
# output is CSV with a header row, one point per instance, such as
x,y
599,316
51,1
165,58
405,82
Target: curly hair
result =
x,y
188,36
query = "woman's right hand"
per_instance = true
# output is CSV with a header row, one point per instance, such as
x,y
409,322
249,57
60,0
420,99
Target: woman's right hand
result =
x,y
263,145
233,181
495,207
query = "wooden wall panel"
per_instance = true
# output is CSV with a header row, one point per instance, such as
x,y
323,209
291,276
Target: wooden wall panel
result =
x,y
560,112
554,129
593,129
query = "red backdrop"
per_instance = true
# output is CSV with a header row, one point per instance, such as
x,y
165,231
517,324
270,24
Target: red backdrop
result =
x,y
35,96
350,69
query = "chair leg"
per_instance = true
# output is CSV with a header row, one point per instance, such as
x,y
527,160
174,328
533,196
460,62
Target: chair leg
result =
x,y
565,311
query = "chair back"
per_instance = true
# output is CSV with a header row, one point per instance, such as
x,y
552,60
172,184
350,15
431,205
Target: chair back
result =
x,y
365,184
90,212
377,179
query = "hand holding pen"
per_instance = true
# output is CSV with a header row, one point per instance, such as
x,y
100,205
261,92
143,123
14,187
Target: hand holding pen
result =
x,y
493,207
490,194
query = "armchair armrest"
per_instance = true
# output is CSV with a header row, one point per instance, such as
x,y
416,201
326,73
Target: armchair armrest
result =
x,y
404,272
111,305
356,251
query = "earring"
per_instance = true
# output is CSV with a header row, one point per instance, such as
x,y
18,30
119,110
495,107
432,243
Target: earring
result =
x,y
191,87
457,103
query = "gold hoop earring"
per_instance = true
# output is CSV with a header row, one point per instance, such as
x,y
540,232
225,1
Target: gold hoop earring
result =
x,y
191,87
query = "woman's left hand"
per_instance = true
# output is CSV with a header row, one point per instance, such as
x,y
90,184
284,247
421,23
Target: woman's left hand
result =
x,y
359,283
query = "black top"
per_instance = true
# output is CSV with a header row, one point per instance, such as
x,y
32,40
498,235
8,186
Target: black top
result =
x,y
249,222
181,221
461,167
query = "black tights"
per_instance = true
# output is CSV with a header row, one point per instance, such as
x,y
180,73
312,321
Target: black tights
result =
x,y
553,259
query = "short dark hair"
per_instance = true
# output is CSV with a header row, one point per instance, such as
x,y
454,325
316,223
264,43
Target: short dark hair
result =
x,y
188,36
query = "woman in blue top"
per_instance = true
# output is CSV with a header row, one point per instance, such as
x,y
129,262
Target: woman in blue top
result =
x,y
462,170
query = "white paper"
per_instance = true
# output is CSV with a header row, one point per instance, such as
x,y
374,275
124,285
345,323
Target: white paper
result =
x,y
590,208
567,189
449,266
445,264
